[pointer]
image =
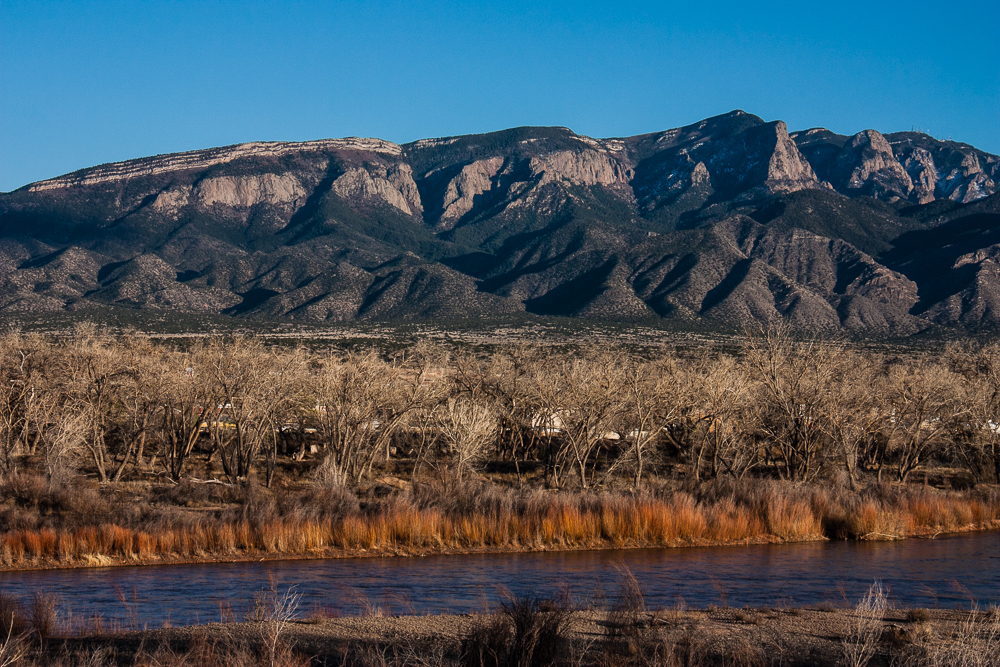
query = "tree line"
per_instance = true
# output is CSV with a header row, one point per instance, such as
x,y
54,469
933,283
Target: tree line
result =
x,y
779,407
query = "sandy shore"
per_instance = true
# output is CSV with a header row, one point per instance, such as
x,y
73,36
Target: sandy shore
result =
x,y
712,636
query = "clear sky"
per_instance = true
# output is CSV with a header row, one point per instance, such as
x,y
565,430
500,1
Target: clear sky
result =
x,y
82,83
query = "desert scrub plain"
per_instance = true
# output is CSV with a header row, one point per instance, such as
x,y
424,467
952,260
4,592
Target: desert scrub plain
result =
x,y
521,632
118,449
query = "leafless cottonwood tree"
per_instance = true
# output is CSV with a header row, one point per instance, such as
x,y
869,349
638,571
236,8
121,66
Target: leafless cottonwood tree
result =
x,y
682,432
18,358
726,431
979,446
66,440
361,401
584,393
138,399
506,380
190,399
468,428
39,402
923,406
850,416
652,398
790,381
93,379
253,383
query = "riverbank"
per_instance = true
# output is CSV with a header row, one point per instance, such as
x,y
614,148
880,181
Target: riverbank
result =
x,y
481,517
539,634
323,554
475,517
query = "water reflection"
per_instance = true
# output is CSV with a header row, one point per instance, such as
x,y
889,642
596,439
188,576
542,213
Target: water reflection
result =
x,y
948,572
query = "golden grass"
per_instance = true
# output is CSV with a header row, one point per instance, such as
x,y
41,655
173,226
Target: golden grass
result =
x,y
560,521
875,520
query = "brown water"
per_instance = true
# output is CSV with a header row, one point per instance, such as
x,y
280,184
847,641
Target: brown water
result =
x,y
946,572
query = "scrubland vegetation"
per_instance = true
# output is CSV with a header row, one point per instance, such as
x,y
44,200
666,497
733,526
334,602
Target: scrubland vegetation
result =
x,y
119,449
524,631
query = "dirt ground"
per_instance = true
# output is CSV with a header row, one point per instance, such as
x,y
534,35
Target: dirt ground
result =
x,y
713,636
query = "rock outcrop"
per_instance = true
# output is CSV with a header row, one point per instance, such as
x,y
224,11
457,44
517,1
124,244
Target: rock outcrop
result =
x,y
473,180
866,165
378,183
903,165
583,167
239,192
204,159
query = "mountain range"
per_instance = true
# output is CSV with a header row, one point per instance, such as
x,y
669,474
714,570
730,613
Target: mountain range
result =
x,y
719,223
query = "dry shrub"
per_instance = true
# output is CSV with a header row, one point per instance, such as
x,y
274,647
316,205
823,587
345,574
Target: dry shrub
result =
x,y
329,475
918,615
192,494
24,488
976,643
43,616
729,522
14,650
862,640
528,632
871,519
12,618
791,518
257,504
626,620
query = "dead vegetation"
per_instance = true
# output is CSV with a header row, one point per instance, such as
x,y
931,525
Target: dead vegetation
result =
x,y
527,631
116,449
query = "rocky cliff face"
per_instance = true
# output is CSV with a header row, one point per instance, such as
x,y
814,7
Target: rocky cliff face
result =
x,y
904,165
240,192
866,165
724,221
472,181
711,162
378,183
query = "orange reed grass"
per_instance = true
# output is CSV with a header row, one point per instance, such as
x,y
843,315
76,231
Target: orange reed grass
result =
x,y
553,521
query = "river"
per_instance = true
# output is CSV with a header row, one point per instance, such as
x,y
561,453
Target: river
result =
x,y
955,571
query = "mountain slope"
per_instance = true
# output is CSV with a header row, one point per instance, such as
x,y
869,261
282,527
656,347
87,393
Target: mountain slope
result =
x,y
725,221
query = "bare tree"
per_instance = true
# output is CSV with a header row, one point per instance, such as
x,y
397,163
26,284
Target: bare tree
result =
x,y
18,357
653,397
190,399
361,402
726,427
921,408
850,414
66,440
92,376
865,632
584,394
791,381
683,431
468,428
252,383
980,367
138,400
507,380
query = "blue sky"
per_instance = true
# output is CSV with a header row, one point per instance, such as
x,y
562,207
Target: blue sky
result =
x,y
82,83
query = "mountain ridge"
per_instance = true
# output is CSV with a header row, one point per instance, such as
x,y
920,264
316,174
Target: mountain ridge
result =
x,y
730,219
